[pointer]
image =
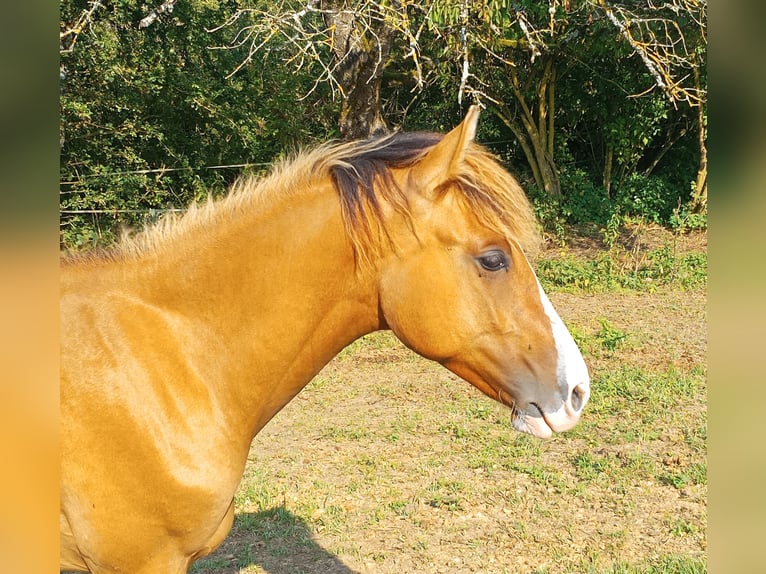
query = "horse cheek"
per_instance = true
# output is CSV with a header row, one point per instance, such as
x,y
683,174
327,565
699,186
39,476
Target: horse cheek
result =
x,y
420,309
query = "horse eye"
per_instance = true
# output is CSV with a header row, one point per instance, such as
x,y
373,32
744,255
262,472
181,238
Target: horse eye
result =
x,y
493,261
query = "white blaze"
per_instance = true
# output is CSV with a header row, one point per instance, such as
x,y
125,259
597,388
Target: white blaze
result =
x,y
571,372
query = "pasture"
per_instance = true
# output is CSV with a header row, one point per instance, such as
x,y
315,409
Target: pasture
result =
x,y
388,463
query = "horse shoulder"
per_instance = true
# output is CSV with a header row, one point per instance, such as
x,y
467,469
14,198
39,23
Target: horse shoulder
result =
x,y
146,450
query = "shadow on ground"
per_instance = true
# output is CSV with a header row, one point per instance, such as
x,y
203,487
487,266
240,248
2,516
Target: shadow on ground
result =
x,y
275,541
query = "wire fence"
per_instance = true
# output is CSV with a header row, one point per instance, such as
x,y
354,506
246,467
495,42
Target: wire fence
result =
x,y
160,170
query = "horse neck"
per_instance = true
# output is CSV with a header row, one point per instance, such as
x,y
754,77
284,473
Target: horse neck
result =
x,y
267,299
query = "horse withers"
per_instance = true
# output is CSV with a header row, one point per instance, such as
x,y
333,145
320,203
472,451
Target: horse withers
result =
x,y
181,343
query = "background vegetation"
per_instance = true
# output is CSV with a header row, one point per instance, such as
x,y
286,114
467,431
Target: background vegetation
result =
x,y
599,108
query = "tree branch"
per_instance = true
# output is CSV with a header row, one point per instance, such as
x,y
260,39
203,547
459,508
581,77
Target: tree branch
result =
x,y
656,36
149,19
71,34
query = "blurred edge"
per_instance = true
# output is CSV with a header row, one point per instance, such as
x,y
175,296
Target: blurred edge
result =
x,y
737,233
29,288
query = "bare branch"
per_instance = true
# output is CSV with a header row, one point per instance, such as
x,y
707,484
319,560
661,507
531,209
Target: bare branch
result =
x,y
464,49
346,33
656,36
70,35
149,19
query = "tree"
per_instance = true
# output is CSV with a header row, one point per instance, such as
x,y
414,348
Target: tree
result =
x,y
590,100
505,54
147,110
671,40
509,54
345,44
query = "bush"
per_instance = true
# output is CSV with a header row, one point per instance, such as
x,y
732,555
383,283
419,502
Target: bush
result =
x,y
649,197
683,220
582,200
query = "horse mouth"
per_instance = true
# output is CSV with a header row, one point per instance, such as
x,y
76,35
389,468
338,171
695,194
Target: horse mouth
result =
x,y
530,420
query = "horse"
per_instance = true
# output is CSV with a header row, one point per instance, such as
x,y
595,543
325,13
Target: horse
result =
x,y
181,342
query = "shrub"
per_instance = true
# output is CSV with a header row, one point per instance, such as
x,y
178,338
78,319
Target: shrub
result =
x,y
649,197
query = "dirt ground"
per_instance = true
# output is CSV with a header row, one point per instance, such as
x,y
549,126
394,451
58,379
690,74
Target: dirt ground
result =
x,y
387,463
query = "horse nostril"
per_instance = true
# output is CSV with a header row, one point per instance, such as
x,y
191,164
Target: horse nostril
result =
x,y
578,396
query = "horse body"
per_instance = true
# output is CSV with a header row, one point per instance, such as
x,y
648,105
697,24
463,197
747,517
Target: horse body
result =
x,y
177,352
146,349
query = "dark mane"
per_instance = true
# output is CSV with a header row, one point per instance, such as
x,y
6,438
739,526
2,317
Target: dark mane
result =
x,y
362,175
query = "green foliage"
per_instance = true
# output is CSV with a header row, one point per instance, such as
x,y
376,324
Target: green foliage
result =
x,y
663,565
145,113
582,199
609,336
648,197
612,270
682,220
657,393
445,494
694,473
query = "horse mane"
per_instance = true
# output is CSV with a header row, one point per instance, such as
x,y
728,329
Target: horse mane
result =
x,y
361,172
362,175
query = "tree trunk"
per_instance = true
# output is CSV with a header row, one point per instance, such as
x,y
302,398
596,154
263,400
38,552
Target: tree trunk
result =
x,y
551,108
537,137
699,196
507,118
608,161
672,139
360,57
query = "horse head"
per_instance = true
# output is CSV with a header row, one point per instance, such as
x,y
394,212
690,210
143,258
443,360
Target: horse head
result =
x,y
457,286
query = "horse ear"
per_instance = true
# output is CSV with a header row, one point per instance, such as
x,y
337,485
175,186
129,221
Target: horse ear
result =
x,y
443,161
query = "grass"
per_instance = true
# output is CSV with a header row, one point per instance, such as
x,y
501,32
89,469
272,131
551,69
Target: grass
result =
x,y
664,565
615,270
388,463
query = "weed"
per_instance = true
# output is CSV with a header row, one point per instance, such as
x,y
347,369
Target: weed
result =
x,y
449,502
329,519
589,466
683,221
445,494
258,491
345,433
400,507
695,473
378,556
392,437
626,388
542,474
616,271
376,516
696,438
213,563
610,337
612,230
681,527
377,340
454,429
